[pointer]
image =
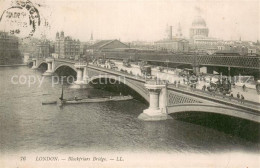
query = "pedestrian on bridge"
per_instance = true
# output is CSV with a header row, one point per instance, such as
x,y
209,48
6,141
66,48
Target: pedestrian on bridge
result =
x,y
183,81
231,96
238,96
244,88
175,83
204,87
242,98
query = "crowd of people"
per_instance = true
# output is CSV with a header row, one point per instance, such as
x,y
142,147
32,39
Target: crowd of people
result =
x,y
224,88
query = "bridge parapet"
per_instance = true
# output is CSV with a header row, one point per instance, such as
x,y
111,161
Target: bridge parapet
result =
x,y
80,65
213,97
49,60
156,82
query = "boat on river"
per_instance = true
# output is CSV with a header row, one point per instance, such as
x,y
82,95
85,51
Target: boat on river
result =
x,y
89,99
49,102
95,99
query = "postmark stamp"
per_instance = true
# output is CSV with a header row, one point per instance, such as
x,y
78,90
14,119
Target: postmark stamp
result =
x,y
21,18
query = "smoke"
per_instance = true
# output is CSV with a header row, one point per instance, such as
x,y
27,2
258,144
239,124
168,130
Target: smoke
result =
x,y
198,10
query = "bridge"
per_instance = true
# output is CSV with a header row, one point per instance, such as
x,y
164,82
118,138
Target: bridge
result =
x,y
163,97
195,60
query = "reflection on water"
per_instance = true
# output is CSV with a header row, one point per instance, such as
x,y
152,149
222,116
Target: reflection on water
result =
x,y
27,125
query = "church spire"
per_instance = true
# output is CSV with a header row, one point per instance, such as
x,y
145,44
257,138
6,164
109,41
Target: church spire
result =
x,y
91,37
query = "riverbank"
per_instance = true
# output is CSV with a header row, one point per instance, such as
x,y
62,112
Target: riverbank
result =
x,y
13,65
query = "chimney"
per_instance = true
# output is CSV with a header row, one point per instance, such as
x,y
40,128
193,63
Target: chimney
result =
x,y
91,38
170,33
57,35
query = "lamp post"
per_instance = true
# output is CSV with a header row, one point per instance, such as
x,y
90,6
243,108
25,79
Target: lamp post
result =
x,y
167,62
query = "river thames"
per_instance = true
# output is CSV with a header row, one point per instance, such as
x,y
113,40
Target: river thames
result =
x,y
27,125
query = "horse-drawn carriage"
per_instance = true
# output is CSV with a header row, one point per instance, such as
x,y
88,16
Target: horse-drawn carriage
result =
x,y
222,85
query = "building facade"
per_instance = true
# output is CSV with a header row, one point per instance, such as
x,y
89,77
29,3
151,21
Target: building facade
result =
x,y
175,45
9,49
83,48
243,48
66,47
43,49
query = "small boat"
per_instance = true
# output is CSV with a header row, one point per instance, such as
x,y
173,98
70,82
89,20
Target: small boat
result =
x,y
93,99
49,102
96,99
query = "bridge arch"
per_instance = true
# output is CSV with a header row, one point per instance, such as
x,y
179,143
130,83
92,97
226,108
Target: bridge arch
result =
x,y
65,65
65,70
41,63
30,64
140,90
212,108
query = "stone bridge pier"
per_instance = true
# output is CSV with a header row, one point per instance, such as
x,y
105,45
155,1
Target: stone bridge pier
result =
x,y
82,75
50,70
158,103
34,60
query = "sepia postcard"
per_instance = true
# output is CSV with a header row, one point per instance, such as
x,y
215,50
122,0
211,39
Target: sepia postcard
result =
x,y
129,83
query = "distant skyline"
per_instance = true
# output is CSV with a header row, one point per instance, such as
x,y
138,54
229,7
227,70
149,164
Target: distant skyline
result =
x,y
132,20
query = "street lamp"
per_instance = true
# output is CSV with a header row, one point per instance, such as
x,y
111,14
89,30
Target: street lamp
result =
x,y
167,62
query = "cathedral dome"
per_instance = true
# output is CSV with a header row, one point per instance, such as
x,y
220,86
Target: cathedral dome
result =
x,y
199,28
198,22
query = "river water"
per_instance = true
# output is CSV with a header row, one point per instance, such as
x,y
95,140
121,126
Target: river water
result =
x,y
27,125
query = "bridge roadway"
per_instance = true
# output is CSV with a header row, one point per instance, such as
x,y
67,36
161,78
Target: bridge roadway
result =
x,y
178,99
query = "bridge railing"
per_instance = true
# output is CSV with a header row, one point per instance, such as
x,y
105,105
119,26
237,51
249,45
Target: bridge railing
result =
x,y
218,96
65,60
156,82
122,73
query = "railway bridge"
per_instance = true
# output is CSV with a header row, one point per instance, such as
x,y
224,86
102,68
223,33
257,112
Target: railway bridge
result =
x,y
230,61
163,98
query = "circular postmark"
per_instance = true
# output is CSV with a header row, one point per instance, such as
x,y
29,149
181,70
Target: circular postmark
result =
x,y
22,18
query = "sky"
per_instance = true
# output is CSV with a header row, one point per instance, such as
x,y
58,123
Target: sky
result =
x,y
147,20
